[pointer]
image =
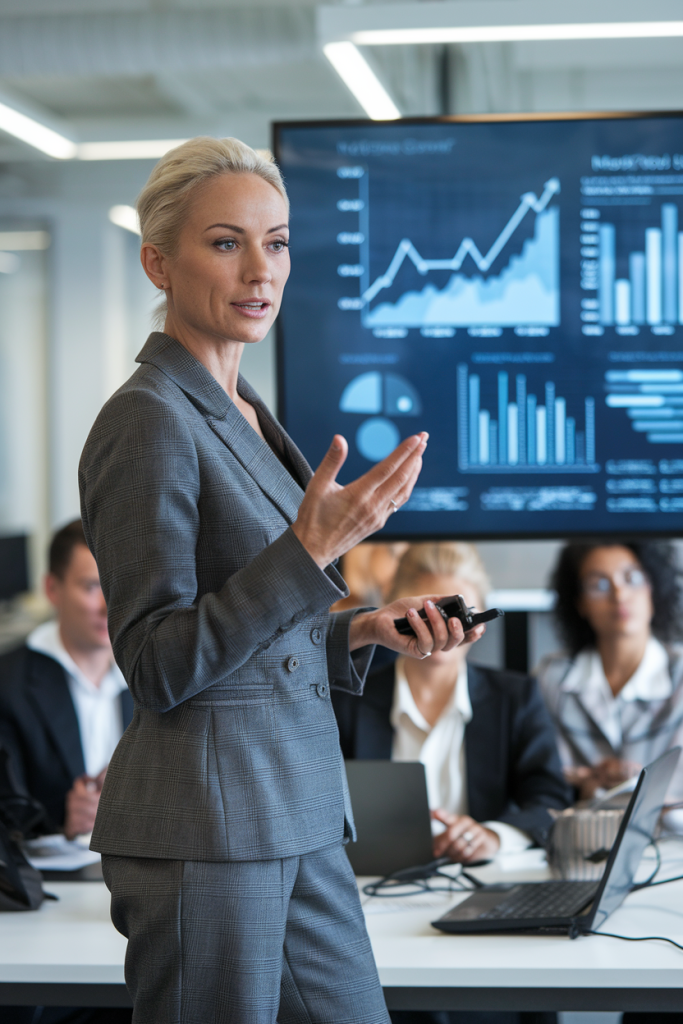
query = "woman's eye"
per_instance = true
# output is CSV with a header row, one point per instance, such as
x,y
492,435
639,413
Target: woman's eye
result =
x,y
279,245
226,244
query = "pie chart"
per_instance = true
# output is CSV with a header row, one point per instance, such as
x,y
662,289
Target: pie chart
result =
x,y
379,395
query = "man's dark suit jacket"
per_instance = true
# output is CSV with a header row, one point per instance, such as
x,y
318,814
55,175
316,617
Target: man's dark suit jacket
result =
x,y
39,729
513,768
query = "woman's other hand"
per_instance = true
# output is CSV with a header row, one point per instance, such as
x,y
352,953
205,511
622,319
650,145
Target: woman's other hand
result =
x,y
434,634
332,519
464,840
602,776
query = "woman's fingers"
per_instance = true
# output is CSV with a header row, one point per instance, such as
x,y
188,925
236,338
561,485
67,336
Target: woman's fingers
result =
x,y
423,635
399,485
332,462
387,469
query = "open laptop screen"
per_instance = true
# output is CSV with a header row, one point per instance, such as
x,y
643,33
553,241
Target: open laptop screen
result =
x,y
389,801
637,830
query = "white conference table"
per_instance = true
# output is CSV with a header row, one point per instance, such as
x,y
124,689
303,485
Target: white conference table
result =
x,y
68,953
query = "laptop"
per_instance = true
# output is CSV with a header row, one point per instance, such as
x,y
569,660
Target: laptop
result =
x,y
391,811
572,907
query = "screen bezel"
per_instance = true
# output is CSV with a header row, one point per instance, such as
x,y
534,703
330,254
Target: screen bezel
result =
x,y
277,128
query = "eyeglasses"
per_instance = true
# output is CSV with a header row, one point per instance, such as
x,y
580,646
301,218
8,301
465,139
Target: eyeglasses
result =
x,y
602,586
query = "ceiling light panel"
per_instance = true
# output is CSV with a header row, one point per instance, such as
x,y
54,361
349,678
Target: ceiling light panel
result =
x,y
358,76
137,149
17,240
36,134
520,33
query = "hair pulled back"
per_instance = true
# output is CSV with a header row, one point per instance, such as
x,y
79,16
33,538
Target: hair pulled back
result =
x,y
162,204
445,559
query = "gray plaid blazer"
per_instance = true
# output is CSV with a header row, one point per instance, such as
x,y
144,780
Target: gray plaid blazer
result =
x,y
219,621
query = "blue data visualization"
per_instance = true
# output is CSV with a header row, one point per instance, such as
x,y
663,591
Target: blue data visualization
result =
x,y
514,287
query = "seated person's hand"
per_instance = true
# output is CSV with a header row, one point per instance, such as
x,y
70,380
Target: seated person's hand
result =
x,y
605,775
464,840
81,805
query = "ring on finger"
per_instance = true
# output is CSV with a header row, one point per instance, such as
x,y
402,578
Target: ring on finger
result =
x,y
395,506
468,837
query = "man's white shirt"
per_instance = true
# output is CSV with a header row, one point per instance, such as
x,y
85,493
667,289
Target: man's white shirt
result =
x,y
441,749
98,708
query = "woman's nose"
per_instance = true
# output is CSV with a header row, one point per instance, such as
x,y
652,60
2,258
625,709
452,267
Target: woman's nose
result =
x,y
257,268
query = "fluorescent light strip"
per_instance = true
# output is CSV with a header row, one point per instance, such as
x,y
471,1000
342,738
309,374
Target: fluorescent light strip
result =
x,y
137,149
16,240
520,33
359,77
36,134
125,217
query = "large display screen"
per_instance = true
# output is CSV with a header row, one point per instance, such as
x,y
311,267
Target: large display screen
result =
x,y
515,287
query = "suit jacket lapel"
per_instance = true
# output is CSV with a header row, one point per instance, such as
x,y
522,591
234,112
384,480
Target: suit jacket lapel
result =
x,y
49,692
277,438
260,461
228,423
482,750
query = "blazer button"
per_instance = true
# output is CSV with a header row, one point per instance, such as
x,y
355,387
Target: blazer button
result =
x,y
316,636
293,664
321,689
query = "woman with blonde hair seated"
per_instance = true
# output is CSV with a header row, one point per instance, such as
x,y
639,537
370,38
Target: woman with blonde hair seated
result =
x,y
484,735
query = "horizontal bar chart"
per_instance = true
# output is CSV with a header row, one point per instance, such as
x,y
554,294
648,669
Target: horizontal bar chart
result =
x,y
652,400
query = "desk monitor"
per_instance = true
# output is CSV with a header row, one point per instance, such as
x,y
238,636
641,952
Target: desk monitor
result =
x,y
513,285
13,566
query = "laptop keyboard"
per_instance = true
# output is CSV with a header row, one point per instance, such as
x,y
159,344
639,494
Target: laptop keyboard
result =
x,y
547,899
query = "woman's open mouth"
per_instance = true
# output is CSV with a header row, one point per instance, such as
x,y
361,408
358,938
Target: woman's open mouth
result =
x,y
254,308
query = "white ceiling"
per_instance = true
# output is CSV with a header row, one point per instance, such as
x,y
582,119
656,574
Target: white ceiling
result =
x,y
117,69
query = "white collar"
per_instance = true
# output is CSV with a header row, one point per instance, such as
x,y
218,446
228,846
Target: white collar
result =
x,y
404,702
46,639
650,681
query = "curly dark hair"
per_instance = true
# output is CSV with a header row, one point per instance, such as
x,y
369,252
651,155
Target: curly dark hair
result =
x,y
659,562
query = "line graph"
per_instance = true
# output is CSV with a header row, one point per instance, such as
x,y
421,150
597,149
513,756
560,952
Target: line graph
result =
x,y
406,249
525,292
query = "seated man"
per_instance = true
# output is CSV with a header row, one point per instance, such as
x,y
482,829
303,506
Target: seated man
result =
x,y
63,700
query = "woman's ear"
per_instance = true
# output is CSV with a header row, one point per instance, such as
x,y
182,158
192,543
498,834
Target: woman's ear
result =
x,y
154,264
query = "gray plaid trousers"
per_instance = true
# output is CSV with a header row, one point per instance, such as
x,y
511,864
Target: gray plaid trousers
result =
x,y
245,942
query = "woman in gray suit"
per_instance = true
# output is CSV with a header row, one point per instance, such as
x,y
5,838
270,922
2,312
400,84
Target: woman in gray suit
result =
x,y
224,810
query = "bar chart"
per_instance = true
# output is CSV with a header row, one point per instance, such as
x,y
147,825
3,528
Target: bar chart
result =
x,y
652,293
528,431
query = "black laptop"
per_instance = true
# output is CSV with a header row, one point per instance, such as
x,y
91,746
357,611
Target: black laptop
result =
x,y
391,811
572,907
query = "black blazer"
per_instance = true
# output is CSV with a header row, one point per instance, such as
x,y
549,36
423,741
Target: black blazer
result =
x,y
513,768
39,729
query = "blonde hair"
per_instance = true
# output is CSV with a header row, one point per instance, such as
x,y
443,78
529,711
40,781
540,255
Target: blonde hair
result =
x,y
163,203
447,559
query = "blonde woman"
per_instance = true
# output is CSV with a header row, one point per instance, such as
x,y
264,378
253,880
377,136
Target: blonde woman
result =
x,y
484,736
224,811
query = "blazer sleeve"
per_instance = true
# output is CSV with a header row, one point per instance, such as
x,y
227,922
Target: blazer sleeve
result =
x,y
140,489
536,782
347,674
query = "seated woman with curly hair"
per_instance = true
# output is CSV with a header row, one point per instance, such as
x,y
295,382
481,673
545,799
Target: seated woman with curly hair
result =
x,y
616,694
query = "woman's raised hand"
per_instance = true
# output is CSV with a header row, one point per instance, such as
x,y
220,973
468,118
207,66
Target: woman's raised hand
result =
x,y
332,519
